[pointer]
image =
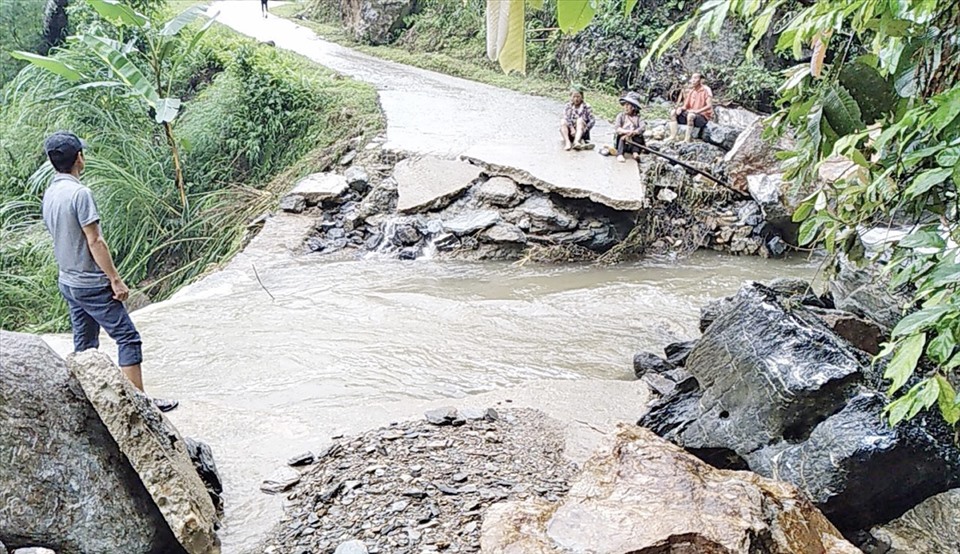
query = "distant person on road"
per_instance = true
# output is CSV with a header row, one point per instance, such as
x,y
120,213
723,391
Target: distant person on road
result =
x,y
88,280
576,122
263,8
694,108
628,128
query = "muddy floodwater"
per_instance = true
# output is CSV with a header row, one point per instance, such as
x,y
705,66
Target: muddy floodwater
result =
x,y
348,345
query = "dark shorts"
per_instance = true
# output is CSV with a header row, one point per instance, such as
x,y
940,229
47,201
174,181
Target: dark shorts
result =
x,y
93,308
698,119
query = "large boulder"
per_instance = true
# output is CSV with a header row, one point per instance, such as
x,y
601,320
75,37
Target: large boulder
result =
x,y
375,21
64,482
783,395
154,448
641,494
723,136
932,527
751,155
866,292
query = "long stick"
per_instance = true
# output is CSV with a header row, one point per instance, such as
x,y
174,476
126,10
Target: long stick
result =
x,y
685,165
257,275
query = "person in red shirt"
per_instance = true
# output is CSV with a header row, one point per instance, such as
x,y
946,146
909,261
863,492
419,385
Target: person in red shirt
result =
x,y
694,109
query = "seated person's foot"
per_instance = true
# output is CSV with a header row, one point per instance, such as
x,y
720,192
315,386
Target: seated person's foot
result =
x,y
165,405
587,146
567,146
636,156
621,159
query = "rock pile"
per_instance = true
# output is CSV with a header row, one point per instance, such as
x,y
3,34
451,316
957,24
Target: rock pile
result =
x,y
453,209
643,494
770,387
421,486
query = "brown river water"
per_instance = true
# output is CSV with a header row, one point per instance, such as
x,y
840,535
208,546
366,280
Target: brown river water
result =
x,y
348,345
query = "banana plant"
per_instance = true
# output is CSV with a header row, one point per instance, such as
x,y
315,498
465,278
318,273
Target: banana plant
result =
x,y
147,75
506,40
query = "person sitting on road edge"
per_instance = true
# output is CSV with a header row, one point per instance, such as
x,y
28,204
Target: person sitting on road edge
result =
x,y
576,122
694,108
628,128
88,279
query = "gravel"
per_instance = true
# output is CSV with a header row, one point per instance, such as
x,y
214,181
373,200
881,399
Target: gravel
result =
x,y
418,487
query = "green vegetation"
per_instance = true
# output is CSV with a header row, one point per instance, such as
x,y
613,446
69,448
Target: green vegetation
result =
x,y
881,92
21,28
252,120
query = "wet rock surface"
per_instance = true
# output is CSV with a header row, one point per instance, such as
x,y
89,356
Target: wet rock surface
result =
x,y
932,527
775,390
154,448
642,494
420,486
67,489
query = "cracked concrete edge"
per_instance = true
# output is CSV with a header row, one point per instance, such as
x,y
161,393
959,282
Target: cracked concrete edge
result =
x,y
523,177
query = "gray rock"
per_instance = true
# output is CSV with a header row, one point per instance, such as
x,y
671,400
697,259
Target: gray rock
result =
x,y
446,241
720,135
797,290
931,527
431,183
202,456
357,179
470,222
406,235
499,191
782,395
381,200
281,480
545,216
866,294
441,416
351,547
738,118
302,459
375,21
154,448
678,352
409,253
348,158
858,331
320,187
645,362
752,155
504,232
66,495
293,203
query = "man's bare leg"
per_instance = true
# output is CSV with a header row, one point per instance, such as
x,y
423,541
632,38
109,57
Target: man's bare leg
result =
x,y
133,373
565,133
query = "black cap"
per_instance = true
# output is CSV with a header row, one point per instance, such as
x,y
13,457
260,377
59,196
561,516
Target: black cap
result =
x,y
62,148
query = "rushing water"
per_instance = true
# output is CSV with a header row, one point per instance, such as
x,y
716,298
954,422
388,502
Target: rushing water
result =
x,y
352,344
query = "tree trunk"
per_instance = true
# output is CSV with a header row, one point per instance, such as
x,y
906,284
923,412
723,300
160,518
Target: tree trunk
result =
x,y
54,25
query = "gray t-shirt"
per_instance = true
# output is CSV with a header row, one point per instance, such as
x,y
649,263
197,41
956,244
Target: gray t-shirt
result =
x,y
68,206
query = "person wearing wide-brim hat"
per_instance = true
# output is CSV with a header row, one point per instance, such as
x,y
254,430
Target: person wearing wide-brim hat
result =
x,y
628,127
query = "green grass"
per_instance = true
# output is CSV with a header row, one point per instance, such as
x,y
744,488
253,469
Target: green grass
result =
x,y
465,62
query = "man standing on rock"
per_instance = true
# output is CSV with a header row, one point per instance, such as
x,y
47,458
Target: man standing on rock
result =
x,y
694,109
88,279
